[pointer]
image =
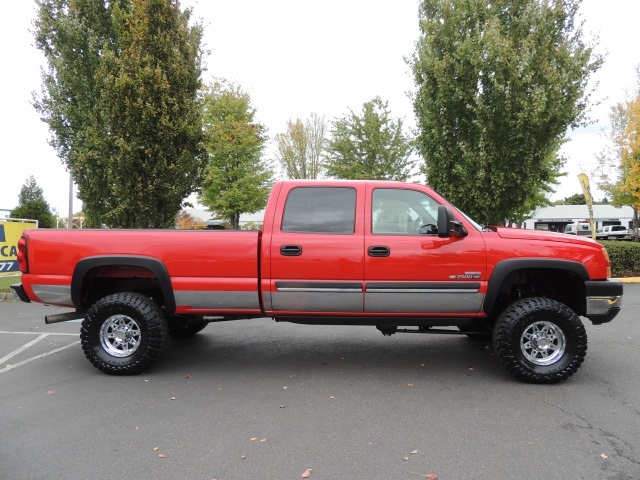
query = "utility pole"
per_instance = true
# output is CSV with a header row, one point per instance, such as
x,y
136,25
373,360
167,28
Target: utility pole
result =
x,y
70,219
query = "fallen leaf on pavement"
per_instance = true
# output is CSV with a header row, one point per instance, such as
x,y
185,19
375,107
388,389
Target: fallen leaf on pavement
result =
x,y
161,455
604,456
187,376
431,476
406,459
172,398
253,439
50,392
413,452
307,473
263,440
155,449
331,397
411,385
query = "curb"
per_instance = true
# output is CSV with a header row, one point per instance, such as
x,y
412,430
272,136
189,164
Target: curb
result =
x,y
628,280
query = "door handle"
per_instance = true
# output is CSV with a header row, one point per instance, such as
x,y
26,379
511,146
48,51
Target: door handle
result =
x,y
379,251
291,250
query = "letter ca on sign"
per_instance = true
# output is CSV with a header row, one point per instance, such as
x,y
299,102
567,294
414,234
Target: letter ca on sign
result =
x,y
10,233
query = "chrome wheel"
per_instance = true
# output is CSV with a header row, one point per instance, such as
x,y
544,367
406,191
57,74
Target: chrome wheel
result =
x,y
542,343
120,335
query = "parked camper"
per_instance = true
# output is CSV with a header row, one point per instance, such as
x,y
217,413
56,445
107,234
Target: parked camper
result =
x,y
578,229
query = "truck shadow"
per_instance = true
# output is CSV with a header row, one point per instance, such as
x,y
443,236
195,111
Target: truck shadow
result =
x,y
286,350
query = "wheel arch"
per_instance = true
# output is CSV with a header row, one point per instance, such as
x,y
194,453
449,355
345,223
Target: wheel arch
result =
x,y
151,268
573,273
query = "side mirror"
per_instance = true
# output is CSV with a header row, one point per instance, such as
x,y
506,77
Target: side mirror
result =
x,y
448,226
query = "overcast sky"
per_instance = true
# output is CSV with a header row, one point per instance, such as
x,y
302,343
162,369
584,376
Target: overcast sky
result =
x,y
295,57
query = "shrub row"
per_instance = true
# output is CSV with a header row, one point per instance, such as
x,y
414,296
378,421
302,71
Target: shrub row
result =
x,y
625,257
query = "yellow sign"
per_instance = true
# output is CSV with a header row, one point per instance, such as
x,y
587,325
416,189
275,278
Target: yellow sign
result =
x,y
584,181
10,233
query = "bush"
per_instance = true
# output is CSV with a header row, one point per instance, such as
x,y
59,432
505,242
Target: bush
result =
x,y
625,257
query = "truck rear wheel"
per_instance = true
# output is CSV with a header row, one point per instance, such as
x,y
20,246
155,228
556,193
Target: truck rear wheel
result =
x,y
540,340
123,333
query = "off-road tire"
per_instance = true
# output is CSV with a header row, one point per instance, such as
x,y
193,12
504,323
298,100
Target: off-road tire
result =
x,y
185,327
123,333
540,340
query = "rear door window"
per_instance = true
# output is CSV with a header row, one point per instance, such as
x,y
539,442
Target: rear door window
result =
x,y
329,210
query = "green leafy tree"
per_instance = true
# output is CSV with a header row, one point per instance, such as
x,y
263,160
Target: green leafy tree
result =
x,y
301,147
120,98
237,179
499,83
371,145
72,35
33,206
575,199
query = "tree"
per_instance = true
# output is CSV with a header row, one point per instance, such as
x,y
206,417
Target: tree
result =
x,y
371,145
186,221
499,83
72,36
120,99
237,180
618,172
33,206
575,199
301,147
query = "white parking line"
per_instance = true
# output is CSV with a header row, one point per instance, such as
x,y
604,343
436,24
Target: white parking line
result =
x,y
36,333
28,360
23,348
39,337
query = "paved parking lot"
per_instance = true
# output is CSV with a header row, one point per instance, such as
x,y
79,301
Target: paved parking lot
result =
x,y
258,399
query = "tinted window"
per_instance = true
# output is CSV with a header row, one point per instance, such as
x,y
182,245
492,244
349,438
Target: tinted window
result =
x,y
320,210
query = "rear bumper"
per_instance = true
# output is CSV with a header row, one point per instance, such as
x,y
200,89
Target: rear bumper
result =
x,y
19,293
603,300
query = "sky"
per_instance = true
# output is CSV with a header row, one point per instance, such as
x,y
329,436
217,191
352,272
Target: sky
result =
x,y
295,58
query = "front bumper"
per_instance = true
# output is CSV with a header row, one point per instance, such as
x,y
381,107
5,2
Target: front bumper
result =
x,y
603,300
19,293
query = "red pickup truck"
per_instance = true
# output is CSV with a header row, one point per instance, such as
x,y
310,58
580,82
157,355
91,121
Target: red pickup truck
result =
x,y
393,255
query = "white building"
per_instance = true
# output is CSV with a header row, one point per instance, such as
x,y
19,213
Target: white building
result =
x,y
556,217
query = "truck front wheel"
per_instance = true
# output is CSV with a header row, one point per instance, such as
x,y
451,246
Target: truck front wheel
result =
x,y
123,333
540,340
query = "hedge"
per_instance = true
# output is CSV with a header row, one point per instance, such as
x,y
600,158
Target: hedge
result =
x,y
625,257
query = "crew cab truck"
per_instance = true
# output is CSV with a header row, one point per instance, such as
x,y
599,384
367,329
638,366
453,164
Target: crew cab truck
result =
x,y
393,255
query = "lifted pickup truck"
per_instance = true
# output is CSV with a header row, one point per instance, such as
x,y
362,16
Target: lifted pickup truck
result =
x,y
392,255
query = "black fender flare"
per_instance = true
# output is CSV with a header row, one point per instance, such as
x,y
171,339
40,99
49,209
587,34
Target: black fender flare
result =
x,y
506,267
155,266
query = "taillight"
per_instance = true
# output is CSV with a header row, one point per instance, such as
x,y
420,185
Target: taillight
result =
x,y
22,254
608,261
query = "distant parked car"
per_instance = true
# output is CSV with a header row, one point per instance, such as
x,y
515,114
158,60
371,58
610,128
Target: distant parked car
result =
x,y
614,232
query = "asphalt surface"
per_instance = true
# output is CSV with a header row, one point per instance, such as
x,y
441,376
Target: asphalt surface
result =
x,y
258,399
